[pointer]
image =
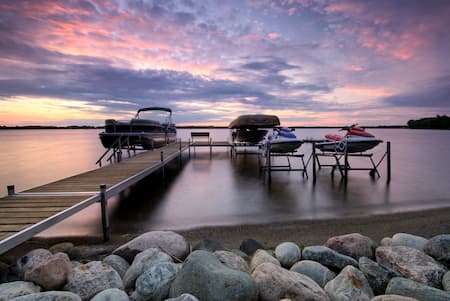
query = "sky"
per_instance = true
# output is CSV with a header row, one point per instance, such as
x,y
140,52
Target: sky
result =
x,y
311,62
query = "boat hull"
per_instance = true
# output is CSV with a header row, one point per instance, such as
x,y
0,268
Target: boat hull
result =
x,y
358,145
284,145
252,136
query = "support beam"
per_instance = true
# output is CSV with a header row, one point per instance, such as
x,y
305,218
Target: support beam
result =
x,y
104,209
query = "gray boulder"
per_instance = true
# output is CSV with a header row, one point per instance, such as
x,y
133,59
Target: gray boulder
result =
x,y
50,273
438,247
91,278
117,263
412,263
205,277
314,270
446,281
90,252
184,297
62,247
142,262
392,298
354,245
409,240
111,294
349,285
410,288
249,246
260,257
377,275
232,261
274,283
14,289
328,257
386,242
287,254
169,242
32,258
154,284
49,296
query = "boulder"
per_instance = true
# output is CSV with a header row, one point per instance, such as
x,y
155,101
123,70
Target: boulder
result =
x,y
328,257
184,297
412,263
287,254
232,261
249,246
49,296
410,288
50,273
205,277
377,275
111,294
142,262
438,247
409,240
260,257
209,245
14,289
32,258
154,284
314,270
169,242
274,283
90,252
117,263
349,285
446,281
354,245
4,271
386,242
62,247
91,278
392,298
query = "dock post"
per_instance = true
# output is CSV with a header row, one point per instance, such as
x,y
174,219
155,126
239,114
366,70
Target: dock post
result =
x,y
345,163
181,158
314,161
11,189
210,148
162,162
104,208
388,152
269,164
189,148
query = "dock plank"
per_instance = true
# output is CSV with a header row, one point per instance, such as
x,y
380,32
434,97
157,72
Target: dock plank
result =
x,y
13,227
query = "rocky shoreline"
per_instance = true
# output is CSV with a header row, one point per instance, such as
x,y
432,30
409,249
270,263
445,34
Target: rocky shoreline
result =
x,y
163,265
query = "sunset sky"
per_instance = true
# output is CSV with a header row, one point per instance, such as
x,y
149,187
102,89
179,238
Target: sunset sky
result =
x,y
311,62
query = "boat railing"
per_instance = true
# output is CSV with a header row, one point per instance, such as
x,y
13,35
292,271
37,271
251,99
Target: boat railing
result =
x,y
115,150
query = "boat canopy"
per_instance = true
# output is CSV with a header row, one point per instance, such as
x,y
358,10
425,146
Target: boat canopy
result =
x,y
154,109
255,121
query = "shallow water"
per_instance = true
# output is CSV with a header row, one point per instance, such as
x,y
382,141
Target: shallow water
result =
x,y
230,191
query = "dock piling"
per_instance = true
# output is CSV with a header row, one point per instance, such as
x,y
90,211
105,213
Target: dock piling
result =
x,y
104,209
388,164
11,189
162,168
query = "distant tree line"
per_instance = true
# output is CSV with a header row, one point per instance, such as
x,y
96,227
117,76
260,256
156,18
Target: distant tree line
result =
x,y
438,122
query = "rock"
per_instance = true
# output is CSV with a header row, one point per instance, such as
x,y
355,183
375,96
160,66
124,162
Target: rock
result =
x,y
169,242
111,294
354,245
232,261
154,284
386,242
249,246
91,278
314,270
446,281
274,283
328,257
49,296
4,271
260,257
75,264
412,264
287,254
184,297
205,277
117,263
63,247
409,240
142,262
93,252
439,247
31,259
14,289
51,273
392,298
349,285
410,288
209,245
377,275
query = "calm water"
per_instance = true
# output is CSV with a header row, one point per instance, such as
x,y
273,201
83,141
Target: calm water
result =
x,y
225,191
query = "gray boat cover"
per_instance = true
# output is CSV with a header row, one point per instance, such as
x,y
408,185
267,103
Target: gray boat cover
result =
x,y
255,121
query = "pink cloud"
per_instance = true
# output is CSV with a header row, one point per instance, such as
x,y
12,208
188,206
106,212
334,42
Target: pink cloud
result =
x,y
273,36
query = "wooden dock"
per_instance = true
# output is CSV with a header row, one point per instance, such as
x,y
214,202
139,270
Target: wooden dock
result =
x,y
24,214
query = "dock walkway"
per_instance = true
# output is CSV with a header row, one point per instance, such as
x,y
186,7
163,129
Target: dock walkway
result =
x,y
24,214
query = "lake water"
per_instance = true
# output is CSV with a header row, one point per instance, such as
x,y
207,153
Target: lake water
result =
x,y
224,191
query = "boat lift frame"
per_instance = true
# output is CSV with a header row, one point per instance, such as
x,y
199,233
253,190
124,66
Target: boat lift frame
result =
x,y
345,167
269,167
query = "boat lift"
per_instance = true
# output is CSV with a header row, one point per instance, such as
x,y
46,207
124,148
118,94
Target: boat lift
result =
x,y
268,166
